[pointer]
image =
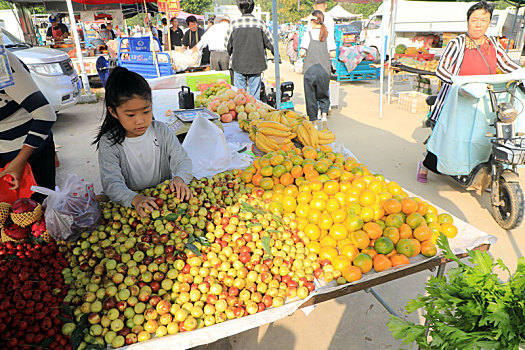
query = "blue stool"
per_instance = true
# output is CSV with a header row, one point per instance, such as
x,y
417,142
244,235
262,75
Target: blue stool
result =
x,y
102,66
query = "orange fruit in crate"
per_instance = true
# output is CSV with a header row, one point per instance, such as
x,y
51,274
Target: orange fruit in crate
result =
x,y
392,206
392,233
309,152
399,259
312,231
449,230
328,253
350,251
351,273
383,245
381,262
360,239
407,247
422,233
363,261
338,232
409,205
266,183
340,262
428,248
373,230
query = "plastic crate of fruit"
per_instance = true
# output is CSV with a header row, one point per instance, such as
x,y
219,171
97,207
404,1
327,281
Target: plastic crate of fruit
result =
x,y
413,102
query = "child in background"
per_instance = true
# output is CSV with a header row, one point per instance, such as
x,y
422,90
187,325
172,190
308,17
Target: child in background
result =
x,y
317,47
134,151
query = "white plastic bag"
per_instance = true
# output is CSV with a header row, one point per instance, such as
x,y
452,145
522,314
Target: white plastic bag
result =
x,y
298,65
72,210
186,59
207,147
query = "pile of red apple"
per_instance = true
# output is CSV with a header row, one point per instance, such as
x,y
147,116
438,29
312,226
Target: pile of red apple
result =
x,y
31,293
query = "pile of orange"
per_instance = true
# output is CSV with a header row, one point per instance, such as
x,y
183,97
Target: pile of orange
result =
x,y
351,218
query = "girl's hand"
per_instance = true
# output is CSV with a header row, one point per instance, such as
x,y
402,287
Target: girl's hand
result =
x,y
143,203
178,185
15,168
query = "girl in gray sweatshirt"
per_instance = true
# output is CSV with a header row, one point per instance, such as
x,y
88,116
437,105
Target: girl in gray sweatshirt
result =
x,y
134,151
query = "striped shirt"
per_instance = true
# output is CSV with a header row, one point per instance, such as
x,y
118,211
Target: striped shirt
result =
x,y
26,117
450,64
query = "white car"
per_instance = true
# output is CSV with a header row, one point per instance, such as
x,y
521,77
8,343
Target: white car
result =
x,y
52,71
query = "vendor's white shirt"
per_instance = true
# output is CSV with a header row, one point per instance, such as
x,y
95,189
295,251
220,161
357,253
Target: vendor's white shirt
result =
x,y
214,37
305,41
143,155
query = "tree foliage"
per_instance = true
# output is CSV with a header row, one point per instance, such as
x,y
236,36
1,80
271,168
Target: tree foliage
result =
x,y
4,5
291,11
364,9
197,7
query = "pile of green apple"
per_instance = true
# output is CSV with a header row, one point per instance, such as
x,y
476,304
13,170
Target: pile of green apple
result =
x,y
188,265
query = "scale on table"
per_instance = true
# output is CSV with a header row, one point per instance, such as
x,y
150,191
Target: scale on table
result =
x,y
180,120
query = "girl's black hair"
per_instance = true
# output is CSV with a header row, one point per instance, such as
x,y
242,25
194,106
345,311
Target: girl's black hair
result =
x,y
121,86
482,5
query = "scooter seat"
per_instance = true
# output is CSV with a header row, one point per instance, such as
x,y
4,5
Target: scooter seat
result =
x,y
431,100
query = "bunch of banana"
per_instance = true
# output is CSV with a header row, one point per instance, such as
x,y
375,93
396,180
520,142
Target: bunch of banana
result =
x,y
244,124
308,135
289,118
326,137
253,127
271,136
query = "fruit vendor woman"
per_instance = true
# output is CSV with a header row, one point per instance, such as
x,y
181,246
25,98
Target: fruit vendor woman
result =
x,y
57,31
26,119
467,54
134,151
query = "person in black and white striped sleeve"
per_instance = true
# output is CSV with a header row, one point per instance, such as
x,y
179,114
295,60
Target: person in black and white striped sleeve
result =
x,y
473,53
26,119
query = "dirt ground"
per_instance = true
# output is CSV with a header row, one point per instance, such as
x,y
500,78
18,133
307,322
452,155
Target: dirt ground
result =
x,y
391,146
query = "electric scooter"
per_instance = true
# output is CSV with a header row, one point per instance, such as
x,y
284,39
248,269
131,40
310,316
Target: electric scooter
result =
x,y
499,174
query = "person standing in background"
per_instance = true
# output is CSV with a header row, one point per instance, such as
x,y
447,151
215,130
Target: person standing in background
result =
x,y
57,31
104,33
112,35
211,21
247,41
193,36
165,28
329,23
317,47
176,34
214,39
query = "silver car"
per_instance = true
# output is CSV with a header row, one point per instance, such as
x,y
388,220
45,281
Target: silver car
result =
x,y
52,71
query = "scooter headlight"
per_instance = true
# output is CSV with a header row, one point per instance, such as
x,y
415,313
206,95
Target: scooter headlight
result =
x,y
508,113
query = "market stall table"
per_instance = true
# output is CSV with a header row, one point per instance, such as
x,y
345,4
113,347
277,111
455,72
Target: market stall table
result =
x,y
402,69
468,238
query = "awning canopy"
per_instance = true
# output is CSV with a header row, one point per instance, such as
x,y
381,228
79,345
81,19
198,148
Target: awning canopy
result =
x,y
338,12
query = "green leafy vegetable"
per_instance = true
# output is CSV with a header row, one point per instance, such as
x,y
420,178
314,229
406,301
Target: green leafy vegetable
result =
x,y
266,245
470,308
